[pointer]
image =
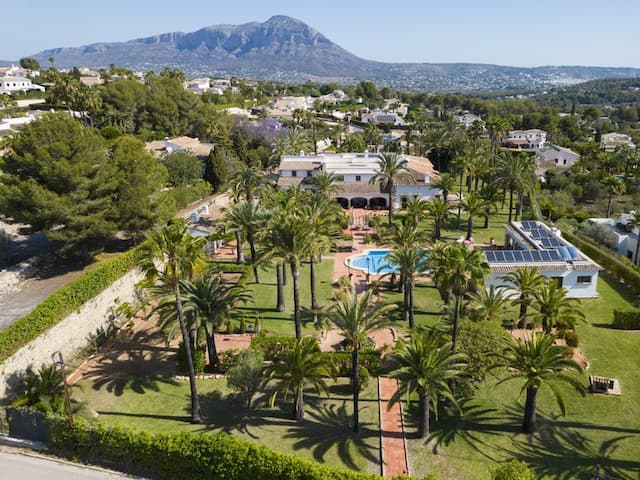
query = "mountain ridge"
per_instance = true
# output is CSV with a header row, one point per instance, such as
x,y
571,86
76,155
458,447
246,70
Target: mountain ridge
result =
x,y
286,49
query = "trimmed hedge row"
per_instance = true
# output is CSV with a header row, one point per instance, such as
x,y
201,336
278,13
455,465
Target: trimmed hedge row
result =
x,y
626,319
184,455
63,302
610,261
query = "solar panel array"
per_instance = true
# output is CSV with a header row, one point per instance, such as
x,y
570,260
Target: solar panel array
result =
x,y
523,256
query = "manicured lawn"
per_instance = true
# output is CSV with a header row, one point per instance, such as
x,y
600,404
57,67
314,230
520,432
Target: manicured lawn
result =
x,y
598,430
264,299
325,436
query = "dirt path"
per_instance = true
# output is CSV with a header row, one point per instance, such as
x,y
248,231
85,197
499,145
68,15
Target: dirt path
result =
x,y
392,435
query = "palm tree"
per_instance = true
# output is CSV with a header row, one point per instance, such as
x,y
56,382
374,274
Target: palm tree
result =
x,y
446,183
171,255
515,174
356,317
410,262
301,364
555,309
42,390
489,304
614,187
325,183
391,170
249,219
458,270
425,366
527,280
475,205
417,208
633,222
540,363
209,298
497,128
439,210
297,140
247,182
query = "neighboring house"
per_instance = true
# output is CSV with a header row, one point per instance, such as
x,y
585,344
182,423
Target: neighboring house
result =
x,y
9,126
91,81
284,107
353,171
170,145
467,119
528,140
16,71
382,117
554,156
534,244
197,85
610,141
627,238
10,85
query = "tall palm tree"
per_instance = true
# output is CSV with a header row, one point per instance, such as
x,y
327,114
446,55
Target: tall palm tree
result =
x,y
301,364
356,317
325,183
438,210
458,270
391,170
417,209
410,262
614,187
497,128
214,301
527,280
250,219
171,255
475,205
555,309
515,174
633,222
489,305
425,365
247,183
539,362
446,183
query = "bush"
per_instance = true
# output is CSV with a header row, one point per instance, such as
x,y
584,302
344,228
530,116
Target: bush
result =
x,y
184,196
514,470
245,376
198,360
272,345
614,265
571,338
227,359
199,456
63,302
369,360
601,234
626,319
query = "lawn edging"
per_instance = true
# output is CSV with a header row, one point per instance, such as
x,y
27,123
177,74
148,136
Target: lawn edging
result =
x,y
184,455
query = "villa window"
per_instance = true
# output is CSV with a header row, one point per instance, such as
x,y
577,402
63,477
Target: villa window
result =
x,y
358,178
309,173
294,173
584,280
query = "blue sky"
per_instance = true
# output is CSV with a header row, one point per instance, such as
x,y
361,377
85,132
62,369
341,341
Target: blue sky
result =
x,y
544,32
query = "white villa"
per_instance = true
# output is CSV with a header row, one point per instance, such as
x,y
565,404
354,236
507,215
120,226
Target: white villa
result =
x,y
158,148
554,156
17,84
626,237
534,244
527,140
610,141
353,172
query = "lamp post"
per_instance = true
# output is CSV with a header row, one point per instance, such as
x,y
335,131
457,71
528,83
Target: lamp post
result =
x,y
368,269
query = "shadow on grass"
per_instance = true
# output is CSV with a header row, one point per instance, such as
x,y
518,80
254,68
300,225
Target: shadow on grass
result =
x,y
173,418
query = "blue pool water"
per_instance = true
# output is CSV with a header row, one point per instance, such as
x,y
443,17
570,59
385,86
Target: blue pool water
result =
x,y
374,261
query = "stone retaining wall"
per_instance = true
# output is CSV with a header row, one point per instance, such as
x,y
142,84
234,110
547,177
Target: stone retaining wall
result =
x,y
72,333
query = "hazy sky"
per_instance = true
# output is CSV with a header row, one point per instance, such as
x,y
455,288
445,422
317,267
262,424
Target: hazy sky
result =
x,y
545,32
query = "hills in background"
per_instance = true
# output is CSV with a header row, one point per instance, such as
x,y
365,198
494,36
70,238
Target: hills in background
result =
x,y
286,49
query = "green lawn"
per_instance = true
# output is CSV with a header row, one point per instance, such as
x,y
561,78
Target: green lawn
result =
x,y
325,436
264,299
598,429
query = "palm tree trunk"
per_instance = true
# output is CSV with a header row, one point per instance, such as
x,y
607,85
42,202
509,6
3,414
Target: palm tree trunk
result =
x,y
405,301
470,227
390,205
211,346
239,254
637,260
519,205
423,424
456,319
284,275
437,228
296,299
356,389
300,404
312,278
609,205
510,203
254,258
195,402
460,198
486,219
529,420
411,319
522,323
280,287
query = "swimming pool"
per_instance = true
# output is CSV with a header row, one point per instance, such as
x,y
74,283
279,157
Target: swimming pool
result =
x,y
374,262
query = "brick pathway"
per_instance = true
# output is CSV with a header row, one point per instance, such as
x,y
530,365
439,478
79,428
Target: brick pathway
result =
x,y
394,453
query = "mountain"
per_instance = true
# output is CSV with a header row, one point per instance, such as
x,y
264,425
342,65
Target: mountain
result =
x,y
283,48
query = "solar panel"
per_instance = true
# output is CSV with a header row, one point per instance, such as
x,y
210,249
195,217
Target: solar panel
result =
x,y
551,242
564,253
573,251
529,224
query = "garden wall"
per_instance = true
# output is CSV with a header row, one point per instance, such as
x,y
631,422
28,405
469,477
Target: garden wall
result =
x,y
72,333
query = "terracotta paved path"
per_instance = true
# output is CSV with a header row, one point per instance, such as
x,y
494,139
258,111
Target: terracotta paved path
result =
x,y
394,455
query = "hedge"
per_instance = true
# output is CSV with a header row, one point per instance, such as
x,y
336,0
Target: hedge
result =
x,y
184,455
626,319
63,302
610,261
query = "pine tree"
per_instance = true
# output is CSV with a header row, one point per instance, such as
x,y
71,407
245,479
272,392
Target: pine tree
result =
x,y
215,169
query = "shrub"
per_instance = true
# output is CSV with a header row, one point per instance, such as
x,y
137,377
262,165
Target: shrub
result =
x,y
198,359
600,234
245,376
227,359
64,301
626,319
369,360
272,345
571,338
199,456
514,470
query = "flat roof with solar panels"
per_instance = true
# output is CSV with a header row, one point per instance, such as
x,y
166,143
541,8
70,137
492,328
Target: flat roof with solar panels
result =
x,y
533,243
